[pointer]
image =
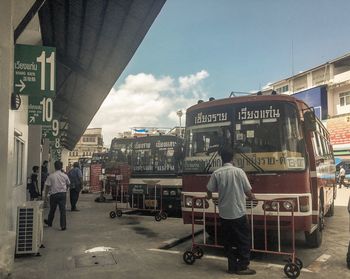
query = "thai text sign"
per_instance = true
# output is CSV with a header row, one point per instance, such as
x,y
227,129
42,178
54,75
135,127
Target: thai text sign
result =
x,y
35,70
40,110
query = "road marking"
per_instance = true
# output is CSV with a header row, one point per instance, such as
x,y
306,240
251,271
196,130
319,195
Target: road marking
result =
x,y
170,241
282,267
323,258
316,265
164,251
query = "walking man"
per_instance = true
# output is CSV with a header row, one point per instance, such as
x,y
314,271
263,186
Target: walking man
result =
x,y
76,181
57,184
233,187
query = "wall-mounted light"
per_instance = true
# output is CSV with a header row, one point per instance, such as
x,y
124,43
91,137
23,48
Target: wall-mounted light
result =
x,y
15,101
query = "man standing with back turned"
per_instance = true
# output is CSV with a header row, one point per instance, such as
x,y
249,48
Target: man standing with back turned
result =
x,y
76,182
233,186
57,183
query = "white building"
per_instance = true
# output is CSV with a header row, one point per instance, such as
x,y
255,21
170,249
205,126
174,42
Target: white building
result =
x,y
91,142
327,89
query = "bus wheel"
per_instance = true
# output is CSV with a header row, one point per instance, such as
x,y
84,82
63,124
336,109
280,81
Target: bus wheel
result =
x,y
291,270
189,257
112,214
314,239
330,211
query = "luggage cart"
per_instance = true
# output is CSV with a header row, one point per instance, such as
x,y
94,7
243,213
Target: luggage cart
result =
x,y
145,200
293,266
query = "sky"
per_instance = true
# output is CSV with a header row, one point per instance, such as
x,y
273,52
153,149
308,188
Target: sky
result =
x,y
198,49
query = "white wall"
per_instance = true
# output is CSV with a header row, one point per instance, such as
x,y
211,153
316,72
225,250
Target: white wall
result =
x,y
12,122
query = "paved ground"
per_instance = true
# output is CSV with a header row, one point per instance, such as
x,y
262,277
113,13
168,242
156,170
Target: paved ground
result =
x,y
135,242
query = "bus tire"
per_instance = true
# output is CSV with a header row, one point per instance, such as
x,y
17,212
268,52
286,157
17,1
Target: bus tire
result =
x,y
314,239
330,211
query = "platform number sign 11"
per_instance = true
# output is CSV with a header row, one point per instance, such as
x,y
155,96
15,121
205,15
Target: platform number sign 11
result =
x,y
35,70
43,60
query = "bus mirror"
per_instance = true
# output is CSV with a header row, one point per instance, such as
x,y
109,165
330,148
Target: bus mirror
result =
x,y
310,121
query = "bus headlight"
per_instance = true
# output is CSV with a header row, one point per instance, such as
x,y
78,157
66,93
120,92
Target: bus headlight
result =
x,y
199,203
275,205
172,193
288,205
165,193
188,201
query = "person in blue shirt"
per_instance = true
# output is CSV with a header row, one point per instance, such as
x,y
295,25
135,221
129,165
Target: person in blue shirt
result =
x,y
233,187
76,182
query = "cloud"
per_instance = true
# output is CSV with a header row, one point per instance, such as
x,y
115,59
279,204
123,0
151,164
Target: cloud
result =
x,y
190,81
144,100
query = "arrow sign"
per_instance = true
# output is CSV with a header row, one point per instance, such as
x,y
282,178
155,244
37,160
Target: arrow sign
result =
x,y
35,70
40,110
21,85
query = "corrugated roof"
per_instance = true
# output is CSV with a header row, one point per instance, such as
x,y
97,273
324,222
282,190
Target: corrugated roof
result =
x,y
94,40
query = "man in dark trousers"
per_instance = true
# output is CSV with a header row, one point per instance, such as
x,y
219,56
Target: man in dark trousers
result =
x,y
76,181
57,184
233,187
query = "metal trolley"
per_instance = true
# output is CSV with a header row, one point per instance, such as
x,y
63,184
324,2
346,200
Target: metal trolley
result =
x,y
293,266
147,199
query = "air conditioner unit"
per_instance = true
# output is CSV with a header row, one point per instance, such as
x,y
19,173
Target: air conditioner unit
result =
x,y
29,227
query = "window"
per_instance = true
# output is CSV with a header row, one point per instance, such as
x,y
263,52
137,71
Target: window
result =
x,y
19,154
282,89
344,99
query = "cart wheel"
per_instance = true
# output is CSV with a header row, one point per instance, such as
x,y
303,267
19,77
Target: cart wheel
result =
x,y
119,213
292,270
298,262
112,214
189,257
163,215
158,217
198,252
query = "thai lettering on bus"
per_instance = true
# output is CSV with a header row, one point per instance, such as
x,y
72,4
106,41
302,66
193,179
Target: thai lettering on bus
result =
x,y
246,114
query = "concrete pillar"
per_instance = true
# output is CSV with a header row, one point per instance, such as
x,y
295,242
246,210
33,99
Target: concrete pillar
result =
x,y
6,119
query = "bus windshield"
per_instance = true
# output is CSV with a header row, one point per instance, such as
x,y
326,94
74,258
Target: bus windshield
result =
x,y
265,137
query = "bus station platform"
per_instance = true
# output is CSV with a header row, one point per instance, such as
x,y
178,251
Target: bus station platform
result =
x,y
131,247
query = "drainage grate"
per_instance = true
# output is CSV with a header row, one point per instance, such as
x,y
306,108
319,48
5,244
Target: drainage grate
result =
x,y
95,259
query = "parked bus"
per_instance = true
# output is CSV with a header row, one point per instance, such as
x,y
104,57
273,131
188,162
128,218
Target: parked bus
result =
x,y
279,143
154,160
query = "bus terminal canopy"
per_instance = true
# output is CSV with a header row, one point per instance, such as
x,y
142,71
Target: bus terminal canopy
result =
x,y
94,42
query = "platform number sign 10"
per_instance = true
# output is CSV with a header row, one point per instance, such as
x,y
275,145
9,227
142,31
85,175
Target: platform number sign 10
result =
x,y
47,105
43,60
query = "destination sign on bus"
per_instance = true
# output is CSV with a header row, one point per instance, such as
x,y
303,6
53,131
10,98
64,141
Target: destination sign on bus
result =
x,y
246,114
203,118
164,144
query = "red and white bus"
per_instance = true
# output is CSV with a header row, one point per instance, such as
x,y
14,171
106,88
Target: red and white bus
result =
x,y
284,149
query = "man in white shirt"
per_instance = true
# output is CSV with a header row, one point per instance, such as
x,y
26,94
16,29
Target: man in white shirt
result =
x,y
57,184
233,187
